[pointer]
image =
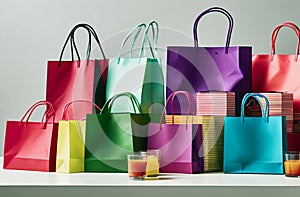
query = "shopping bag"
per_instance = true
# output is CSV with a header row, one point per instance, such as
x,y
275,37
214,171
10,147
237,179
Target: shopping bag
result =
x,y
212,137
70,140
31,145
278,72
211,109
111,136
195,69
141,76
179,144
254,144
77,79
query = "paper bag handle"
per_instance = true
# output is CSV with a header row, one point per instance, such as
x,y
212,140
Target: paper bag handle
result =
x,y
136,29
65,114
265,112
47,114
220,10
172,96
274,37
155,31
71,39
135,103
155,28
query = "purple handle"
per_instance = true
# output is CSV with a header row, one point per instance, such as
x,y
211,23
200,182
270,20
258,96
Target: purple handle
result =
x,y
214,9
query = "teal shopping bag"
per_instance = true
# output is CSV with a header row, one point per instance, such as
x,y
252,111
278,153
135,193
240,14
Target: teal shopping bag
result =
x,y
254,144
142,75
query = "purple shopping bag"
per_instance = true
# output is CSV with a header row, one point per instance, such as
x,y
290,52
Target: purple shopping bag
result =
x,y
197,69
180,145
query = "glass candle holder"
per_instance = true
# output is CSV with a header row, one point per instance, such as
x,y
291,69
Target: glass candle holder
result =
x,y
137,164
153,159
292,164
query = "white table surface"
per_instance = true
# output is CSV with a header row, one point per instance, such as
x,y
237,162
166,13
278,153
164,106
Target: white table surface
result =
x,y
207,181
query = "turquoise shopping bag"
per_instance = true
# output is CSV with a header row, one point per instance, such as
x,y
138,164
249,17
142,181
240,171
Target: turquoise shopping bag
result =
x,y
254,144
142,76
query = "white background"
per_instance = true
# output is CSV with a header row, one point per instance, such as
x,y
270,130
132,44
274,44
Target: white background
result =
x,y
33,32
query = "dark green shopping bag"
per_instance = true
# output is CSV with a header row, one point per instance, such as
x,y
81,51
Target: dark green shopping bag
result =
x,y
111,136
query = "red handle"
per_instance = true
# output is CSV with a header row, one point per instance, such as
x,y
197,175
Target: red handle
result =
x,y
47,114
275,33
65,115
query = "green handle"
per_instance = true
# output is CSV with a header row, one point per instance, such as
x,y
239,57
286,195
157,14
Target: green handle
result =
x,y
108,105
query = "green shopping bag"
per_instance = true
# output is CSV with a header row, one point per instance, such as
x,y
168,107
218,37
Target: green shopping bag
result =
x,y
111,136
142,75
254,144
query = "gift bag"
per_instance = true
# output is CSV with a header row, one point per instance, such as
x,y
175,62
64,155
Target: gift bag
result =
x,y
254,144
70,141
212,137
278,72
195,69
111,136
179,144
31,145
211,109
141,76
77,79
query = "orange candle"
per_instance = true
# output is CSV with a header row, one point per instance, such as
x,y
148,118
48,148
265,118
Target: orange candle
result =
x,y
137,168
292,167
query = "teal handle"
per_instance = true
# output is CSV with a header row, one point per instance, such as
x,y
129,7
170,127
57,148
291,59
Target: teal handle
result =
x,y
155,31
265,112
153,25
137,28
135,103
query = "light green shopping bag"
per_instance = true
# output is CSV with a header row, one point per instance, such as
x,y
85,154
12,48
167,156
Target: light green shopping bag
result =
x,y
142,76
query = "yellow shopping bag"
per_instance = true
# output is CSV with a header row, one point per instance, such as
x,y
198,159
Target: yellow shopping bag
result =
x,y
70,142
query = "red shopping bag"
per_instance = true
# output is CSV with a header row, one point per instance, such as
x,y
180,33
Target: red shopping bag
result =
x,y
77,79
278,72
31,145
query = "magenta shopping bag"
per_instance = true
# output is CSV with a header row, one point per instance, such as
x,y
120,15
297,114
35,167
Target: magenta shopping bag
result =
x,y
179,144
197,69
